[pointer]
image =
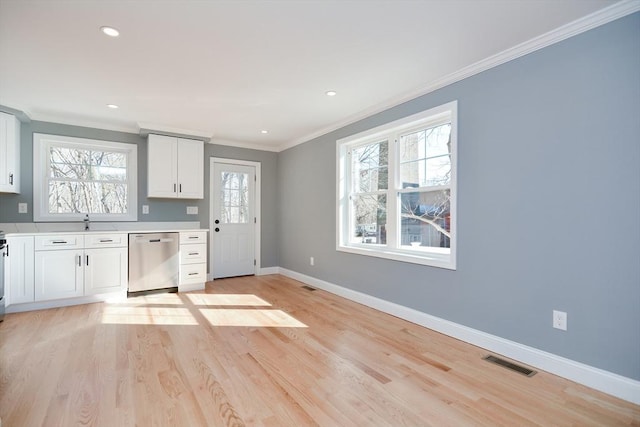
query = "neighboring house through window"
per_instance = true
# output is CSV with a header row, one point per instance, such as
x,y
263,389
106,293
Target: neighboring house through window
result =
x,y
75,176
397,189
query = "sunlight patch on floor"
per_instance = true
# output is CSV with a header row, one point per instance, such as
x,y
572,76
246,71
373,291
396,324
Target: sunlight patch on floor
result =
x,y
167,298
250,317
147,316
227,299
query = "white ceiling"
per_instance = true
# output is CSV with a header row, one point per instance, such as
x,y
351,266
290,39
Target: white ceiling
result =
x,y
229,69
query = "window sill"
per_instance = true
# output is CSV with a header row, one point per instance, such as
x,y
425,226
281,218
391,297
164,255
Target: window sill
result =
x,y
79,218
431,259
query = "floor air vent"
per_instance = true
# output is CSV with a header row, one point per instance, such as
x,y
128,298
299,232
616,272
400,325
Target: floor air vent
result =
x,y
309,288
506,364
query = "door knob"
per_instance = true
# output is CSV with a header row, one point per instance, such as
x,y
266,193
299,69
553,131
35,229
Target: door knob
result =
x,y
217,221
217,229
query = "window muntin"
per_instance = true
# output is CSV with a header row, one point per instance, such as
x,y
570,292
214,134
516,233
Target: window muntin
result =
x,y
82,176
397,187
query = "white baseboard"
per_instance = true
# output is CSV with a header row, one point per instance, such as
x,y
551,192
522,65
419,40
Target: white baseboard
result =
x,y
43,305
268,270
191,287
599,379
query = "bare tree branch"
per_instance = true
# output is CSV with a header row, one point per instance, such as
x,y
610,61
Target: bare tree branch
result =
x,y
428,221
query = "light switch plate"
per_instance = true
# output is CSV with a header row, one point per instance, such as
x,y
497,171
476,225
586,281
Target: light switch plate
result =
x,y
23,208
192,210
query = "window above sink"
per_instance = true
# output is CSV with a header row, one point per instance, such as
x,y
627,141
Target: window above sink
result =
x,y
74,177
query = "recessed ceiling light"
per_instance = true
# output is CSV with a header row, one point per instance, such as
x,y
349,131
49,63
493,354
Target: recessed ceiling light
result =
x,y
264,131
110,31
114,106
331,93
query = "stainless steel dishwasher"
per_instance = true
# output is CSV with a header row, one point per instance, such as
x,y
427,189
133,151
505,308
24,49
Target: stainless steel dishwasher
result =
x,y
153,261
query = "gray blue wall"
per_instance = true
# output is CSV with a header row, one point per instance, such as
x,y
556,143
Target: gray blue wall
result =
x,y
159,209
548,202
548,196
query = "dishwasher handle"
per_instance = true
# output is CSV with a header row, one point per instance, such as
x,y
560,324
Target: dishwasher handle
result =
x,y
162,240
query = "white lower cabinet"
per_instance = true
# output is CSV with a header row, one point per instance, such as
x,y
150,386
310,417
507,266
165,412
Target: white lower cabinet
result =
x,y
85,266
68,266
19,270
59,274
106,270
193,261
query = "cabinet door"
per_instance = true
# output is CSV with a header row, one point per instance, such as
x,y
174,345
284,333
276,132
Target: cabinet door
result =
x,y
190,169
9,153
19,270
162,167
58,274
105,270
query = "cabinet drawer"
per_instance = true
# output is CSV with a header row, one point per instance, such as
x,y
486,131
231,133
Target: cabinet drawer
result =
x,y
52,242
105,240
193,237
193,254
193,273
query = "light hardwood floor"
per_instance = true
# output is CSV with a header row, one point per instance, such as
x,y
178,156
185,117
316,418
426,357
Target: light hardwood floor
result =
x,y
263,351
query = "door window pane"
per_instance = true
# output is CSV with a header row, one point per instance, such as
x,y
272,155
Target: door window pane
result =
x,y
234,193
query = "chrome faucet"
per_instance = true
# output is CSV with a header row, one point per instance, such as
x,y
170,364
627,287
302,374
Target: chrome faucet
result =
x,y
86,222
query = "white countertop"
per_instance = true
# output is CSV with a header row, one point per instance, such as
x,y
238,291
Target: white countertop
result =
x,y
32,228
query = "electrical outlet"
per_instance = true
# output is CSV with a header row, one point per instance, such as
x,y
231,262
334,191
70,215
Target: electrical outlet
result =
x,y
311,261
22,208
560,320
192,210
145,209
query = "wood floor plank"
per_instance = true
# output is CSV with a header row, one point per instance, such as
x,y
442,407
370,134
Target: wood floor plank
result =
x,y
264,351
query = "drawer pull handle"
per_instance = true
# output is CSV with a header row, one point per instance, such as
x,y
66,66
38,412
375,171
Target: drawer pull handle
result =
x,y
58,241
194,253
193,237
106,240
193,274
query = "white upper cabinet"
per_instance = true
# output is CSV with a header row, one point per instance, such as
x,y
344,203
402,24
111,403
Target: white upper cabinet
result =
x,y
9,153
175,167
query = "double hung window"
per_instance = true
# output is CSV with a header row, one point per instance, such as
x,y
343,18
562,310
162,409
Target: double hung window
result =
x,y
74,177
397,189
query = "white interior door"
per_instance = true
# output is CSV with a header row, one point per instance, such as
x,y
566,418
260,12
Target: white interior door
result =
x,y
233,216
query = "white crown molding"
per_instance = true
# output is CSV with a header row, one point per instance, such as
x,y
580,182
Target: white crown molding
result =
x,y
57,119
247,145
607,382
146,128
596,19
20,113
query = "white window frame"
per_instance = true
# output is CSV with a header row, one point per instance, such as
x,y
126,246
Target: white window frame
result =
x,y
391,132
41,168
